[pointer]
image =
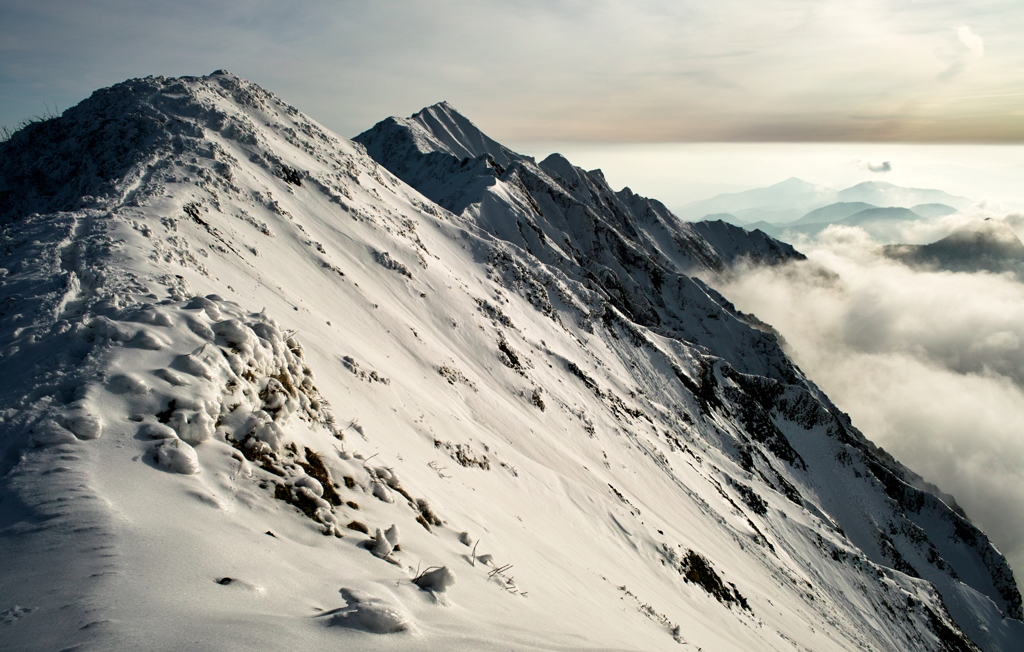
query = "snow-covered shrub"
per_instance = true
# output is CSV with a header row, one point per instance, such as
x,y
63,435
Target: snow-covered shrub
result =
x,y
436,579
84,425
382,548
192,426
392,535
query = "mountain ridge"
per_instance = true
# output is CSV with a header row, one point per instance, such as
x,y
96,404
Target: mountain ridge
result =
x,y
250,366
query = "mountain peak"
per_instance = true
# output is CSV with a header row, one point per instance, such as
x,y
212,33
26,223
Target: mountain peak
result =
x,y
794,183
459,135
883,193
118,132
873,184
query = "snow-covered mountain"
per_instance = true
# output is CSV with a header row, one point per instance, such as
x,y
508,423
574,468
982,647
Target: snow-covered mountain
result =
x,y
629,249
261,392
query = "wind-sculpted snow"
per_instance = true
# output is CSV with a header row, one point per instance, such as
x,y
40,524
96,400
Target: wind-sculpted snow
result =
x,y
260,393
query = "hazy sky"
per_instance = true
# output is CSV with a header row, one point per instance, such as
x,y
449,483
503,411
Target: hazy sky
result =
x,y
585,70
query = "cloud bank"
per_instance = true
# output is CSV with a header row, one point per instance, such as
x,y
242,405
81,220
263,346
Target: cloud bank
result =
x,y
930,365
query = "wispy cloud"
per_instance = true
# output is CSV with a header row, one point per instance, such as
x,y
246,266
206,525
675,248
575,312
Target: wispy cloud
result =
x,y
973,49
884,166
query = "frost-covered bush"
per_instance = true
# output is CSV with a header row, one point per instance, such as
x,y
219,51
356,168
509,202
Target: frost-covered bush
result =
x,y
436,580
382,548
192,426
392,535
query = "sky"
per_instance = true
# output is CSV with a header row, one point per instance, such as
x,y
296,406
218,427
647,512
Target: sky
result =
x,y
571,70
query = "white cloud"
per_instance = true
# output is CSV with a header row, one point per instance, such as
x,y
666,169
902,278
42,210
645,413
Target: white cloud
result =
x,y
883,166
974,43
930,365
969,49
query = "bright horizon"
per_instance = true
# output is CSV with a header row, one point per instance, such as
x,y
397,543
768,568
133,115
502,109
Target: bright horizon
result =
x,y
678,173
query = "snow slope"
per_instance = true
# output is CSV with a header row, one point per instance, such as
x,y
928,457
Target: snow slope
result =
x,y
259,392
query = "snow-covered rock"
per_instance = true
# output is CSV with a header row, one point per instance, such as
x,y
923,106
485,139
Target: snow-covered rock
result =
x,y
176,455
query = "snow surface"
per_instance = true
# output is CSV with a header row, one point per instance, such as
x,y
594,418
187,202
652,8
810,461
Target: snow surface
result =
x,y
241,358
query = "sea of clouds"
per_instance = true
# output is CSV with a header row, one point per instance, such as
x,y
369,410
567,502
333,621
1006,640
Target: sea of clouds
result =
x,y
929,364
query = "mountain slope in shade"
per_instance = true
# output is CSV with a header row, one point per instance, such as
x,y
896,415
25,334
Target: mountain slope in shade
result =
x,y
738,243
989,246
261,393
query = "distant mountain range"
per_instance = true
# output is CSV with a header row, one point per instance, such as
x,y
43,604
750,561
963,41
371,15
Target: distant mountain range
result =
x,y
795,207
793,199
782,202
